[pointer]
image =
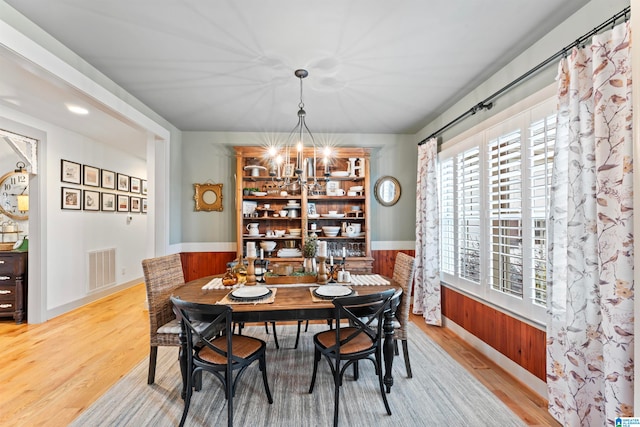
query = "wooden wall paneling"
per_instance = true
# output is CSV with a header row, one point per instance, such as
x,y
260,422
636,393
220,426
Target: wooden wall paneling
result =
x,y
200,264
517,340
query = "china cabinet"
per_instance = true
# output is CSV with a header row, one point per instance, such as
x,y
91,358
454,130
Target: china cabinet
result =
x,y
279,218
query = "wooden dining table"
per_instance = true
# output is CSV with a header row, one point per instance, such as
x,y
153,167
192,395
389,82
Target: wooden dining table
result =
x,y
292,302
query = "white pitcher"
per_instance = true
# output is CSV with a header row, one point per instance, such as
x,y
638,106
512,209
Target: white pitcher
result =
x,y
253,229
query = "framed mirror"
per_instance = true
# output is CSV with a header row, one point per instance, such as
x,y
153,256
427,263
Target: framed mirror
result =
x,y
208,197
387,191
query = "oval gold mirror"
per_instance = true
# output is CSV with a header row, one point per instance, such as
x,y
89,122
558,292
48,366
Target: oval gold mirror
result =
x,y
387,191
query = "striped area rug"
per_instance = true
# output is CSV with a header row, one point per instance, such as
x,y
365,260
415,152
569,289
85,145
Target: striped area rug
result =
x,y
440,393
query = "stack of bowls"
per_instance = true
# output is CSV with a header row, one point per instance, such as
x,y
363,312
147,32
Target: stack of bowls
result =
x,y
330,231
295,232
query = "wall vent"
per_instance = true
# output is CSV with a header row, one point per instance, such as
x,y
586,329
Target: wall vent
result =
x,y
102,269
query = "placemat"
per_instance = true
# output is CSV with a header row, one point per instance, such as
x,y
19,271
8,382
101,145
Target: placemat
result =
x,y
267,300
368,280
314,298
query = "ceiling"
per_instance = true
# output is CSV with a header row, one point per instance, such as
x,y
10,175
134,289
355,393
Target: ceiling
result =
x,y
375,66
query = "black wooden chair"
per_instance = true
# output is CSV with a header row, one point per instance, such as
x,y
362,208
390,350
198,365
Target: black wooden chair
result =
x,y
220,354
358,341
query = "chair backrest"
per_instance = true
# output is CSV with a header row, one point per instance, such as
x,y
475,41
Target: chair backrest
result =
x,y
161,276
218,318
403,271
365,315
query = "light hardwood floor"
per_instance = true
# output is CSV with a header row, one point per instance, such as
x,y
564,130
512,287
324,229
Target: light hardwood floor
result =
x,y
52,371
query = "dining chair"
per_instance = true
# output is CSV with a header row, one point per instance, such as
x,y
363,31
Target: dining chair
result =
x,y
403,271
162,275
220,354
358,340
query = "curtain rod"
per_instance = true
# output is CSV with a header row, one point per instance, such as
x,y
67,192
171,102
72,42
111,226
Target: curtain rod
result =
x,y
487,104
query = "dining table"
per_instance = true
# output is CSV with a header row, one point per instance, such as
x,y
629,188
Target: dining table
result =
x,y
289,302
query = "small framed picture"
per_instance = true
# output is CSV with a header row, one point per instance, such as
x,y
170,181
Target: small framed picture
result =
x,y
123,182
134,204
123,203
70,172
91,176
144,205
311,208
71,198
144,186
288,170
91,200
108,179
108,202
134,185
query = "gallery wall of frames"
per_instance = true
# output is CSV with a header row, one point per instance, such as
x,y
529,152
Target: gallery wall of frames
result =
x,y
101,190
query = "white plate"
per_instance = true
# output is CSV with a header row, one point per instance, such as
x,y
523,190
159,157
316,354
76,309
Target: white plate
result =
x,y
253,235
340,173
258,193
297,206
333,215
250,292
262,168
313,216
333,291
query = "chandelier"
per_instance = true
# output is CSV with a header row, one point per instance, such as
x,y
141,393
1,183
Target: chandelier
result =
x,y
293,169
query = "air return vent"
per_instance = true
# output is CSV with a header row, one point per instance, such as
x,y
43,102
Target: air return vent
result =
x,y
102,268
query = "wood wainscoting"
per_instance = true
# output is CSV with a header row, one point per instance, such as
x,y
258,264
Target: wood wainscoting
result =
x,y
200,264
517,340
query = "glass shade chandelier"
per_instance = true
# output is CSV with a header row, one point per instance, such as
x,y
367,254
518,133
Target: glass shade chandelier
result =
x,y
292,169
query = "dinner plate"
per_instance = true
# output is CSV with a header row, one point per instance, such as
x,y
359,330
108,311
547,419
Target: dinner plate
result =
x,y
332,291
341,174
249,293
333,215
253,235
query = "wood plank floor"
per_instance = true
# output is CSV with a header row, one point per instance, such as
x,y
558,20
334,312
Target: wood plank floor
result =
x,y
52,371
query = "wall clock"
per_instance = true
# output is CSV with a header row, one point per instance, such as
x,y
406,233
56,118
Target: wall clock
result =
x,y
208,197
14,193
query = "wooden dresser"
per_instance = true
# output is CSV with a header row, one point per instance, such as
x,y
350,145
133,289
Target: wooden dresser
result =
x,y
13,285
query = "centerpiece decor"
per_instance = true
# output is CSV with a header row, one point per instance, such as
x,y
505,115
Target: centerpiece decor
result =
x,y
309,254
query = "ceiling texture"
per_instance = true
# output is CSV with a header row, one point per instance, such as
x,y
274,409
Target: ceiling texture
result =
x,y
375,66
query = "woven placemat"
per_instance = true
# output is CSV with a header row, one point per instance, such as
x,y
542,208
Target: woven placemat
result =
x,y
227,300
315,298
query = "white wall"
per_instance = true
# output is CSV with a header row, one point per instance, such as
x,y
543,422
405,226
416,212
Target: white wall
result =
x,y
69,235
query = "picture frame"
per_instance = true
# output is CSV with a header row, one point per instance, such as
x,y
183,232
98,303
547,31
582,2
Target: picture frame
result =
x,y
123,182
123,203
70,171
208,197
311,208
288,170
90,176
108,179
144,205
134,185
134,204
70,198
144,187
91,200
108,202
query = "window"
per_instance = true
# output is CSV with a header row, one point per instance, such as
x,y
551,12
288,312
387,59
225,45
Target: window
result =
x,y
494,200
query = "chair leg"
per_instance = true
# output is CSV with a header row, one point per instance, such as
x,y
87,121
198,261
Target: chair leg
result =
x,y
395,347
337,382
381,383
262,363
153,356
306,327
298,334
275,335
316,359
187,400
407,363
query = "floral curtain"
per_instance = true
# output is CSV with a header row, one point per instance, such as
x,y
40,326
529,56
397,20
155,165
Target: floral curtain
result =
x,y
590,289
426,299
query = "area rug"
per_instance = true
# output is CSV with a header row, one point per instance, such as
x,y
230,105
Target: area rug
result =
x,y
440,393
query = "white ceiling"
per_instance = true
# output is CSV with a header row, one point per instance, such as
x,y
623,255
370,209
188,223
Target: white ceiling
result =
x,y
375,66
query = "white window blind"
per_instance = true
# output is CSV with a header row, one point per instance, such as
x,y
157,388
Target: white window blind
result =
x,y
468,214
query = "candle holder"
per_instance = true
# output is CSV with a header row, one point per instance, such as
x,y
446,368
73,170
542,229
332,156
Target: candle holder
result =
x,y
322,270
251,272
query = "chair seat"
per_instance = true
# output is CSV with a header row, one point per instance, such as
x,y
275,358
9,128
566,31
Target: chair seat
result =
x,y
243,347
173,327
359,343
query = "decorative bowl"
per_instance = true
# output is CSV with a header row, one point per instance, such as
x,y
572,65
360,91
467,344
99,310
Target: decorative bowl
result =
x,y
259,193
330,230
283,213
268,245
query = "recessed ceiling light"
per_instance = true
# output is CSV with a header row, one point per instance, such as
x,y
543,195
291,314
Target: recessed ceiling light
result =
x,y
75,109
